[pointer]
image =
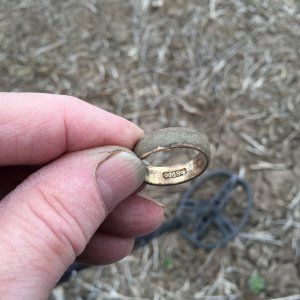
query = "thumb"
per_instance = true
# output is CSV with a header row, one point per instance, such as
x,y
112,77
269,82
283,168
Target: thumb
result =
x,y
48,220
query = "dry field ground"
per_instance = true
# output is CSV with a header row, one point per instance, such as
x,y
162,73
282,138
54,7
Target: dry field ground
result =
x,y
229,68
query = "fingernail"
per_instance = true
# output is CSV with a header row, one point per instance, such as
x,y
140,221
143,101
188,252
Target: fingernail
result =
x,y
154,201
118,177
141,131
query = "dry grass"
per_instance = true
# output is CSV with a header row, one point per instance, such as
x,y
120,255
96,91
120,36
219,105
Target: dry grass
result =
x,y
228,68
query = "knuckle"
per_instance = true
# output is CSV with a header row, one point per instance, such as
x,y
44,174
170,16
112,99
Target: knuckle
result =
x,y
58,224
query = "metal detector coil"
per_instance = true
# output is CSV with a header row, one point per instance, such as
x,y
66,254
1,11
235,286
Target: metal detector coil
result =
x,y
197,215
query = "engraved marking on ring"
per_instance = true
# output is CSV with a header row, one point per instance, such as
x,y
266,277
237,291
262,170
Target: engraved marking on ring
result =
x,y
175,174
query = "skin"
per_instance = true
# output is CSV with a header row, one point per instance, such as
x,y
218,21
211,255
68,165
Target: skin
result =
x,y
69,190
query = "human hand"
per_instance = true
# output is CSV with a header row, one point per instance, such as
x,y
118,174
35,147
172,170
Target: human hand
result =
x,y
80,202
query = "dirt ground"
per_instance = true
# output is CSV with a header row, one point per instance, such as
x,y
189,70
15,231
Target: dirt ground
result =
x,y
228,68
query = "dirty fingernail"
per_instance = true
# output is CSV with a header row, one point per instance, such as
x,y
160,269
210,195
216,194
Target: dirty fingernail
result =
x,y
118,177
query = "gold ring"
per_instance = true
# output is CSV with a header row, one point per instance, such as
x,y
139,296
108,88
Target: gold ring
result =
x,y
170,138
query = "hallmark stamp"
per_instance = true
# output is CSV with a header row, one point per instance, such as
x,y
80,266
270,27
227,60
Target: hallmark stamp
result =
x,y
175,174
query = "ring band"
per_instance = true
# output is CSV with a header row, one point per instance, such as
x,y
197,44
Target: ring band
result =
x,y
169,138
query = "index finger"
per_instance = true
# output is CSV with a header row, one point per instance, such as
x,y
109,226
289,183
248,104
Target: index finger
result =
x,y
37,128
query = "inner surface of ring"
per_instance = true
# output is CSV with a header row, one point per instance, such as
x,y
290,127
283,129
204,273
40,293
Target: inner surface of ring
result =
x,y
176,173
170,156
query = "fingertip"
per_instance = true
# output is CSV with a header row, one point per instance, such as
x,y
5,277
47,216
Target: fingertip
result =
x,y
58,124
118,177
134,217
140,131
106,249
